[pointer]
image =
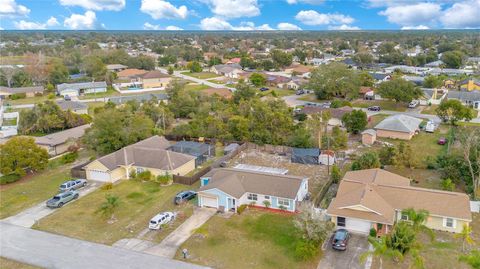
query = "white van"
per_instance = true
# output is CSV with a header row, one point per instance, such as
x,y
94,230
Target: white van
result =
x,y
160,219
430,127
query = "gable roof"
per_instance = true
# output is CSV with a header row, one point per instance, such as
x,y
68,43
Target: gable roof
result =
x,y
148,153
153,74
464,95
131,72
33,89
62,136
81,85
222,92
380,193
399,123
236,183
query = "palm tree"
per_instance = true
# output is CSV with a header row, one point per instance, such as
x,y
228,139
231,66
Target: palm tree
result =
x,y
417,219
381,249
466,236
108,207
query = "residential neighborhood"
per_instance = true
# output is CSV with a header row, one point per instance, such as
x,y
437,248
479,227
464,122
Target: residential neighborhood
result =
x,y
336,149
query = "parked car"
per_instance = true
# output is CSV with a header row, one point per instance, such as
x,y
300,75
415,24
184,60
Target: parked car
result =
x,y
264,89
184,196
430,127
160,219
300,92
373,108
67,98
442,141
62,198
413,104
73,185
340,239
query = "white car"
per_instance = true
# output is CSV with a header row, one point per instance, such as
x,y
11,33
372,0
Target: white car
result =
x,y
413,104
161,219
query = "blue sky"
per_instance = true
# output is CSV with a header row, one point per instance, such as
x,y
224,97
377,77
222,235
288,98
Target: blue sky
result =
x,y
239,14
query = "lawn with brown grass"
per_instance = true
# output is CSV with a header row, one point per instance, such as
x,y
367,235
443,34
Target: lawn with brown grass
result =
x,y
11,264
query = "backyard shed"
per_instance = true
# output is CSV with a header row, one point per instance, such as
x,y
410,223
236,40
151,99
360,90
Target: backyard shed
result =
x,y
369,136
305,155
200,151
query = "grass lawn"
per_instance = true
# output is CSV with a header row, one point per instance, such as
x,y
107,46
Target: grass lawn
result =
x,y
139,202
278,91
255,239
311,97
93,105
29,100
34,189
219,82
11,264
201,75
376,119
196,87
442,253
430,110
383,104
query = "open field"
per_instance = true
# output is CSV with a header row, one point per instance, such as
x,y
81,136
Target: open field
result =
x,y
139,202
201,75
255,239
311,97
383,104
195,87
278,91
29,100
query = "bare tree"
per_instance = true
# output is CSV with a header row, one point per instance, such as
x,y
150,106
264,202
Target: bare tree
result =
x,y
8,73
470,144
36,67
312,223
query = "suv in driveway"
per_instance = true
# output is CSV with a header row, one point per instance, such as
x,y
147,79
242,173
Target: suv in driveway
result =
x,y
160,219
184,196
73,185
340,239
62,198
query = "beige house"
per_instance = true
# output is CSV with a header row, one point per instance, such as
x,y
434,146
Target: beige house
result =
x,y
154,79
398,126
375,198
149,154
58,143
28,91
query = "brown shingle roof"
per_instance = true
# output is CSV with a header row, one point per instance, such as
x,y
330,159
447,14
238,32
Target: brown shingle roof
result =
x,y
130,72
237,182
153,74
382,193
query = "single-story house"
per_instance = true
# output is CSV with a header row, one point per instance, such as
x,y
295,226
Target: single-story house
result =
x,y
153,79
470,99
298,69
380,77
76,89
150,154
437,63
375,198
200,151
398,126
160,97
369,136
58,143
28,91
116,67
129,74
227,70
227,188
74,106
296,83
222,92
367,93
432,96
470,85
277,81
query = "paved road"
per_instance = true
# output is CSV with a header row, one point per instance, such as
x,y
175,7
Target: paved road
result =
x,y
348,259
196,80
168,247
27,218
54,251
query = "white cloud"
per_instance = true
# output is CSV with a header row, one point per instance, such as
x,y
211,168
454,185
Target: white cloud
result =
x,y
344,27
411,15
312,17
234,8
149,26
311,2
418,27
9,8
114,5
79,21
30,25
159,9
462,15
285,26
173,28
218,24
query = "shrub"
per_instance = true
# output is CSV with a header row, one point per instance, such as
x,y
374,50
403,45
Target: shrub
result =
x,y
241,208
447,184
145,175
9,179
305,250
336,175
282,207
266,203
373,232
51,96
340,103
17,96
133,174
69,157
107,186
252,203
164,179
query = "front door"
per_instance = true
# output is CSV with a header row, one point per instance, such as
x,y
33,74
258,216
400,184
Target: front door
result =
x,y
231,204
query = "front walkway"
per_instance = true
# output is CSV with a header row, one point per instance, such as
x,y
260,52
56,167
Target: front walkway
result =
x,y
168,247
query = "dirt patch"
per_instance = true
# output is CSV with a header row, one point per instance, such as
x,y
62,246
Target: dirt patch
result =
x,y
317,174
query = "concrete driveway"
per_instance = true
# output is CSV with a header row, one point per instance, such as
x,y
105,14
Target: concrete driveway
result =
x,y
168,247
348,259
28,217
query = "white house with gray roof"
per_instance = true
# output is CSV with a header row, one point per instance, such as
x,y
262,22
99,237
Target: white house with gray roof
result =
x,y
76,89
470,99
398,126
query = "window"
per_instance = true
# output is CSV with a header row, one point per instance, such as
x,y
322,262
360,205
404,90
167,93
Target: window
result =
x,y
252,197
284,202
449,222
404,216
140,170
267,197
341,221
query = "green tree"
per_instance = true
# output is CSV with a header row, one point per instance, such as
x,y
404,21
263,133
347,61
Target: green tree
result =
x,y
280,58
433,81
301,138
58,73
19,154
404,156
243,92
453,110
109,206
388,155
214,61
194,67
472,259
418,218
336,175
466,236
311,225
337,140
366,79
453,59
355,121
367,160
447,184
381,249
170,70
95,67
399,90
258,79
334,80
363,58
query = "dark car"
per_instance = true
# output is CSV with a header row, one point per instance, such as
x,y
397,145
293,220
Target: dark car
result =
x,y
67,98
300,92
374,108
264,89
340,239
442,141
184,196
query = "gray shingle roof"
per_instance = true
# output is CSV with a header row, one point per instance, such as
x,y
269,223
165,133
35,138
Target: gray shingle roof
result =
x,y
33,89
72,105
139,98
464,95
62,136
399,123
82,85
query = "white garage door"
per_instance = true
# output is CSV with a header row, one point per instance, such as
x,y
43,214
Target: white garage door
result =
x,y
209,201
99,175
356,225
